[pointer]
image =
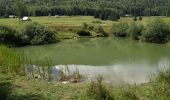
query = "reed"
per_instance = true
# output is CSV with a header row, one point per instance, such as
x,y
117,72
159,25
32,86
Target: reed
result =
x,y
11,61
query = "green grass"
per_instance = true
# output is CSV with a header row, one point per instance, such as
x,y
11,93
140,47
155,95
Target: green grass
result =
x,y
71,21
64,23
10,61
19,88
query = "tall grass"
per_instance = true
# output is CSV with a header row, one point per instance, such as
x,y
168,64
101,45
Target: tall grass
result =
x,y
97,90
10,61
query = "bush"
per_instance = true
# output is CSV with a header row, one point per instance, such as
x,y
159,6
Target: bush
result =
x,y
156,32
135,30
161,84
8,35
135,18
97,91
163,76
100,31
35,34
119,30
86,26
140,18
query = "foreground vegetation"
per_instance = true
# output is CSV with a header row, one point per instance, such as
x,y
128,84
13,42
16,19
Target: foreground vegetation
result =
x,y
15,85
19,88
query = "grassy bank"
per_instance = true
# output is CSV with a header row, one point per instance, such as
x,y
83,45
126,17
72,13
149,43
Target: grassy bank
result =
x,y
14,85
19,88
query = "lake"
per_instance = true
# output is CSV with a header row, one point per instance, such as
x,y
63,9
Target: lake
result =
x,y
117,60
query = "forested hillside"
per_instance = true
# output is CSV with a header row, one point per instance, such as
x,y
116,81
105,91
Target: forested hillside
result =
x,y
104,9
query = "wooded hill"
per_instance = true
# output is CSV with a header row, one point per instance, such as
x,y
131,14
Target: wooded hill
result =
x,y
103,9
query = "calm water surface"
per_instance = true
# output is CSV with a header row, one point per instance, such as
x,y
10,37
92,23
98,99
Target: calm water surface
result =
x,y
115,59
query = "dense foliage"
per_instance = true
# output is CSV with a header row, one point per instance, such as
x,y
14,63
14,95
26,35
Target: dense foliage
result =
x,y
8,35
35,33
107,9
135,30
91,30
32,34
120,30
156,31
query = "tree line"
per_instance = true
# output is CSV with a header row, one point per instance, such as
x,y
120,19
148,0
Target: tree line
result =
x,y
103,9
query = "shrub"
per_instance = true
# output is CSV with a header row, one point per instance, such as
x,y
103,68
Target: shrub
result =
x,y
97,91
86,26
161,84
119,30
156,32
8,35
135,30
35,34
140,18
135,18
100,31
163,76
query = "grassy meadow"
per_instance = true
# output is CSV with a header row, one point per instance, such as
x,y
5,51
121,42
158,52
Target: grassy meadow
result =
x,y
63,23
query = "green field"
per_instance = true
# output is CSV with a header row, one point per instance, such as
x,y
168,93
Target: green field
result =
x,y
64,22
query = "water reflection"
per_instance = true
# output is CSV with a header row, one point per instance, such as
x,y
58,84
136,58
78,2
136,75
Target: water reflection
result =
x,y
118,74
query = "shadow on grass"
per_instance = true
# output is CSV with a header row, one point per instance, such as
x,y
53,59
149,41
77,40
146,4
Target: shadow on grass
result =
x,y
27,97
5,90
6,93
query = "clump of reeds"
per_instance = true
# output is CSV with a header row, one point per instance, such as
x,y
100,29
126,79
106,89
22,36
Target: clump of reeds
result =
x,y
72,77
45,73
10,61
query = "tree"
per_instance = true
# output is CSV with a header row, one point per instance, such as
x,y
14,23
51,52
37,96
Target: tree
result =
x,y
140,18
135,18
157,31
20,8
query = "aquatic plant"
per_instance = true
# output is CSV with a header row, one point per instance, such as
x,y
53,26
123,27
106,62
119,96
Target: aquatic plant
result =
x,y
71,76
